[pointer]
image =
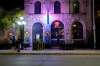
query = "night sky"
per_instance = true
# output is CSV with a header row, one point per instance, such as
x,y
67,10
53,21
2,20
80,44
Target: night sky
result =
x,y
11,4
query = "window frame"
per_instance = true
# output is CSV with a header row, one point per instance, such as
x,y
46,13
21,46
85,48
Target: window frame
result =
x,y
76,6
37,7
57,7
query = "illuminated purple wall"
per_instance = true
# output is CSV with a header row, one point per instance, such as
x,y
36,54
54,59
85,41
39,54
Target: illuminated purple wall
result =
x,y
65,17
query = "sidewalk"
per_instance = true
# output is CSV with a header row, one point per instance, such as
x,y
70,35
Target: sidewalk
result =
x,y
50,52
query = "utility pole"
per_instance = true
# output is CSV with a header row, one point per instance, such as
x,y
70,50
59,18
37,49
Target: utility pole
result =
x,y
94,27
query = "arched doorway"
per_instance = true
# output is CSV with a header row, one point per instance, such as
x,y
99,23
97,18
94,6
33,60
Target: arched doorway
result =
x,y
77,35
37,32
77,30
57,33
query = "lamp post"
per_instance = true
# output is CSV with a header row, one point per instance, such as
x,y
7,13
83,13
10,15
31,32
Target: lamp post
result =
x,y
94,27
21,24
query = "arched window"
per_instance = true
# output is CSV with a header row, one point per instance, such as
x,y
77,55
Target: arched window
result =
x,y
57,7
57,30
76,6
77,30
37,9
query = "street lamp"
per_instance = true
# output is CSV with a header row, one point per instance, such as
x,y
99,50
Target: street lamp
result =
x,y
21,24
94,27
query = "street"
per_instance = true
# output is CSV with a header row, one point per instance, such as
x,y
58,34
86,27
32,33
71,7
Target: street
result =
x,y
49,60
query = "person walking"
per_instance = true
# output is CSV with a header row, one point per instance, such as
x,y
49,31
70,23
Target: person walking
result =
x,y
18,42
13,41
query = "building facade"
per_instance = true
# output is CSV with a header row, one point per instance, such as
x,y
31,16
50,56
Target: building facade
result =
x,y
58,21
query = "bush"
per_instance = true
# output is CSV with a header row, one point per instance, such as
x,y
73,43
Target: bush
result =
x,y
4,44
38,45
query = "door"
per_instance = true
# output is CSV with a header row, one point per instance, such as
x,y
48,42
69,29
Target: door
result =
x,y
37,34
57,33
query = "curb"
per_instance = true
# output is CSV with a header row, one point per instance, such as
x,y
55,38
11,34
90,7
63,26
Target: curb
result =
x,y
49,53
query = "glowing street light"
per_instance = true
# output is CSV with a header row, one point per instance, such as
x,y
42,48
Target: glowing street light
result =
x,y
21,21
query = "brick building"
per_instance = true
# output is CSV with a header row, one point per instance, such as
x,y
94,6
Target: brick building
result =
x,y
59,21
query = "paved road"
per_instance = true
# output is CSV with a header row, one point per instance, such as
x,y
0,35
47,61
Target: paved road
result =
x,y
49,60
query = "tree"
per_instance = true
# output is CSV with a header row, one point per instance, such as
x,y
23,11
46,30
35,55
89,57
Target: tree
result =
x,y
11,17
2,15
8,18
